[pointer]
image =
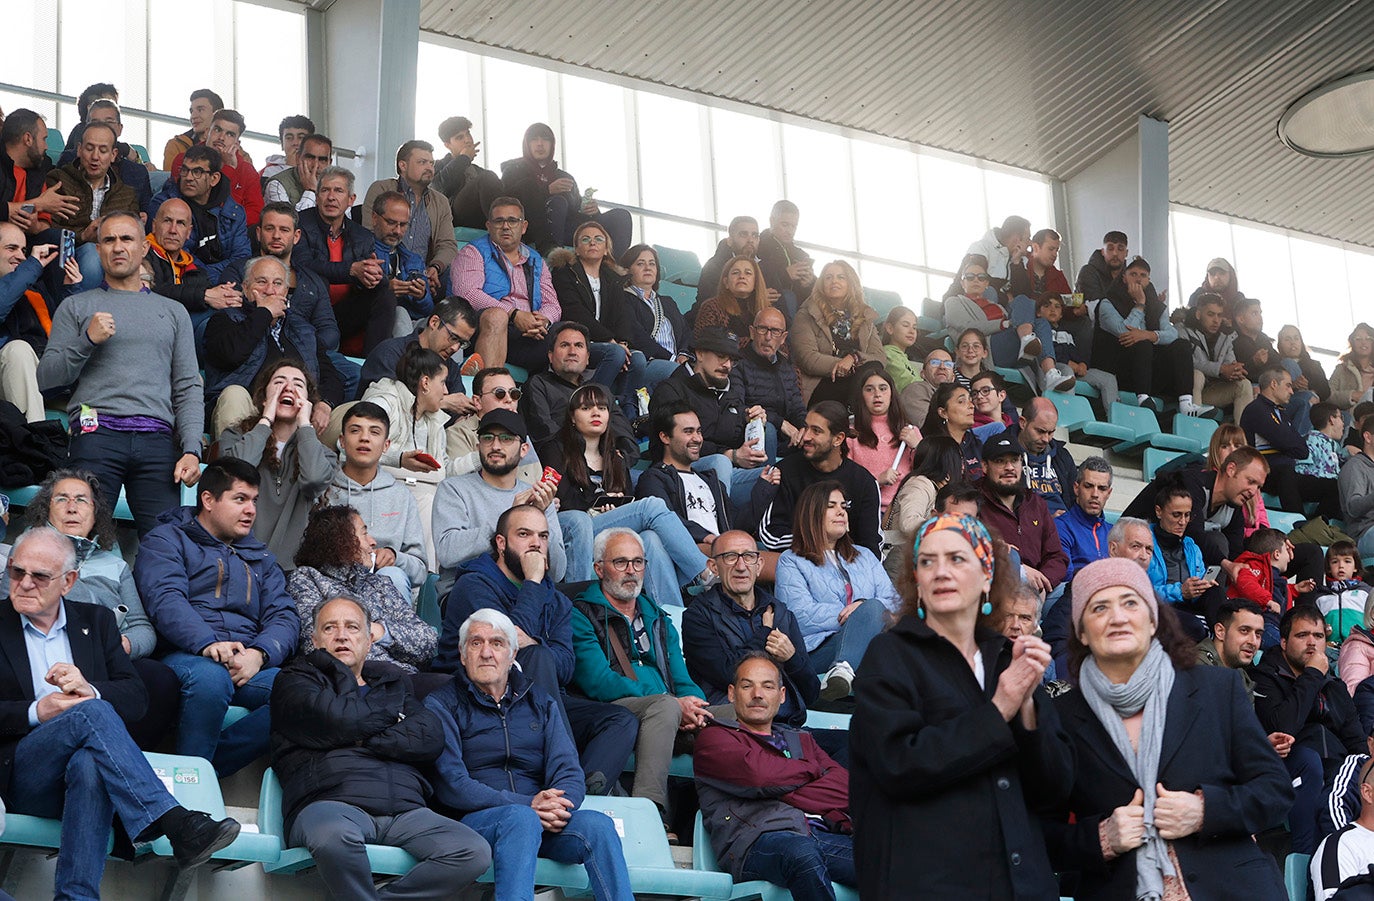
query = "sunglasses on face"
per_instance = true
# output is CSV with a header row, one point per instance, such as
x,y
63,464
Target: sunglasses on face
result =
x,y
503,392
974,276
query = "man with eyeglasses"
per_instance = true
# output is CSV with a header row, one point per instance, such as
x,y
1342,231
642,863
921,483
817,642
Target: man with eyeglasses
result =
x,y
447,331
989,392
296,186
226,127
544,403
938,368
403,266
510,286
629,653
492,389
68,693
429,233
219,229
514,578
768,379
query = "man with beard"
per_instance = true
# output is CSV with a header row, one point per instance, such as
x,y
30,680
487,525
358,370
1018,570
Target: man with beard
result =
x,y
741,240
628,653
1237,627
1102,267
514,578
823,457
545,401
430,233
1020,517
226,127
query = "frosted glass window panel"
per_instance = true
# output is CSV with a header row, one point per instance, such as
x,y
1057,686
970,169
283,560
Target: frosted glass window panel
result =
x,y
508,117
818,182
1323,309
266,94
908,283
89,54
1198,239
593,146
1009,194
1359,267
744,157
24,61
952,210
1264,270
672,172
442,89
888,200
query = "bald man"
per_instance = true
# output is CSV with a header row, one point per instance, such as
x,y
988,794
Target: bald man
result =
x,y
175,274
769,381
1047,465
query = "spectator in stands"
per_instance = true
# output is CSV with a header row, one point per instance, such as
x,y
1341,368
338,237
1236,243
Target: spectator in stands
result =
x,y
590,287
1072,340
936,462
508,283
705,385
1041,280
96,185
780,255
1324,450
88,96
546,394
492,389
741,242
446,332
386,505
1343,598
1135,341
349,738
612,620
1208,792
242,341
835,335
291,131
650,324
1083,528
1227,438
137,401
1048,466
971,356
226,126
954,574
1176,569
1221,281
68,736
413,399
884,442
69,501
219,231
839,591
470,189
769,380
175,273
430,235
1233,638
1001,249
1296,694
1020,516
1293,355
990,416
24,167
1348,853
401,266
698,498
550,195
951,414
1343,797
742,293
218,600
937,369
797,832
297,186
1218,377
1356,486
822,458
1269,428
1014,332
277,437
511,772
335,560
204,103
26,311
1253,347
342,253
1259,578
1352,381
899,334
127,163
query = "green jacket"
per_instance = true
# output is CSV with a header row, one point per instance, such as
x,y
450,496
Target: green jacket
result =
x,y
599,675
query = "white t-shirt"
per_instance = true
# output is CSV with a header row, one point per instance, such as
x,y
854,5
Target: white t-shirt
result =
x,y
596,295
701,503
1354,854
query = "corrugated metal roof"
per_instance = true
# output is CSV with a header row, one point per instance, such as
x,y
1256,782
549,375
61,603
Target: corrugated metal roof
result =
x,y
1046,86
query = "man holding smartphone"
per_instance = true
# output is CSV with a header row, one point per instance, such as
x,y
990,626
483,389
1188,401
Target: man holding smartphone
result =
x,y
26,307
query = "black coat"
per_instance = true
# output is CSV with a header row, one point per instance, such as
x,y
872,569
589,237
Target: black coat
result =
x,y
721,411
313,250
96,651
1289,704
773,385
34,182
662,481
332,742
940,785
632,321
575,296
1212,742
1199,481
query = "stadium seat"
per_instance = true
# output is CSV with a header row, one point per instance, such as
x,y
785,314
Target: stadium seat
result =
x,y
157,178
1156,457
704,858
1283,520
428,605
465,235
648,856
1195,429
681,295
142,153
56,144
1074,410
883,302
1139,421
932,318
192,781
680,266
1296,876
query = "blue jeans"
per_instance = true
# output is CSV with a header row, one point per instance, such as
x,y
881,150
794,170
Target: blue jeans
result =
x,y
606,360
1366,543
517,837
85,753
739,482
1304,765
1006,344
1299,411
851,641
647,372
349,372
139,462
805,865
673,557
206,693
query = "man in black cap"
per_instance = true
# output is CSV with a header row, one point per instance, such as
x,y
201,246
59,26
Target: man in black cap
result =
x,y
705,386
1021,517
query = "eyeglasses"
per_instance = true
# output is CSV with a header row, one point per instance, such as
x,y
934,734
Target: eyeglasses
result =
x,y
974,276
503,392
983,391
80,500
592,239
948,364
196,172
504,221
970,345
40,580
455,338
493,439
394,223
769,331
730,558
624,564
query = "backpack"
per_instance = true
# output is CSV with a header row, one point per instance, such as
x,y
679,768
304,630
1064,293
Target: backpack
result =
x,y
29,451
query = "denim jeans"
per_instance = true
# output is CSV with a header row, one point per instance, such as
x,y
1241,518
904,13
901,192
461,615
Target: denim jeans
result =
x,y
606,361
851,641
517,837
805,864
673,557
139,462
1006,344
349,372
738,482
206,693
647,372
603,733
85,753
1366,543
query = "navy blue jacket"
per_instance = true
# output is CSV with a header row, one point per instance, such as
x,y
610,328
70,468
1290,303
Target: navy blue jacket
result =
x,y
312,252
381,363
538,608
1269,431
773,385
219,229
236,347
310,299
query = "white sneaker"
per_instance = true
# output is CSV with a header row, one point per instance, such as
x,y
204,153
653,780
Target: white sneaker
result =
x,y
1188,408
838,682
1056,380
1030,346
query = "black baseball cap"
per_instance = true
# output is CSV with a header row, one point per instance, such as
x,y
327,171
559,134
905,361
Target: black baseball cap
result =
x,y
1001,445
505,420
717,340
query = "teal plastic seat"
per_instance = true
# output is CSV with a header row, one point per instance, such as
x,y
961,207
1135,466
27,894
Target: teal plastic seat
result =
x,y
1283,520
1083,389
680,266
428,604
1297,875
1074,410
648,856
465,235
1156,457
1013,376
704,858
882,302
233,715
196,787
1138,421
820,719
1197,428
682,295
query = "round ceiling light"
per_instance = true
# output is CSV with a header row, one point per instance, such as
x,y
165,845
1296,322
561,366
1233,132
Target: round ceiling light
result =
x,y
1333,121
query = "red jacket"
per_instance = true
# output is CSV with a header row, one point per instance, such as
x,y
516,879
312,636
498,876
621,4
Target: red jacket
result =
x,y
244,185
1030,529
1255,582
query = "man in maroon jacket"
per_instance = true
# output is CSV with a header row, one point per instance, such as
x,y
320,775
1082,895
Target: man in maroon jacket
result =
x,y
776,806
1021,517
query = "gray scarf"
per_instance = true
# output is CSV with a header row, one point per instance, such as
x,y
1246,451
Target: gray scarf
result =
x,y
1148,688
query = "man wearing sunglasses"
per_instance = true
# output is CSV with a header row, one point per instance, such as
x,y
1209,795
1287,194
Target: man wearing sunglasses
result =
x,y
493,388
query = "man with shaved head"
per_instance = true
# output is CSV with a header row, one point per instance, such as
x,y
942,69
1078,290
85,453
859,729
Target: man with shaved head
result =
x,y
1047,465
769,380
175,273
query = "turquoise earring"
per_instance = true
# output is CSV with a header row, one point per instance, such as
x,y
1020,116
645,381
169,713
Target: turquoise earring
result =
x,y
986,609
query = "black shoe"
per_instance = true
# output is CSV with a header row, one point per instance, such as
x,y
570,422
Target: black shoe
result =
x,y
199,836
596,783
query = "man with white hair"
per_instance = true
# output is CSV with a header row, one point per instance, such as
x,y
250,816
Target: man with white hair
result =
x,y
1130,538
510,771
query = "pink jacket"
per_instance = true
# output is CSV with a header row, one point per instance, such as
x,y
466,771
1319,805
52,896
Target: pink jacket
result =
x,y
1356,662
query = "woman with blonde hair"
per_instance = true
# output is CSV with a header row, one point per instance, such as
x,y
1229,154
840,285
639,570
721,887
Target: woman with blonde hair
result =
x,y
742,293
834,334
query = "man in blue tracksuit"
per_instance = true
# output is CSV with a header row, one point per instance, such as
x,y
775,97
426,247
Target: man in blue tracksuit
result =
x,y
1083,528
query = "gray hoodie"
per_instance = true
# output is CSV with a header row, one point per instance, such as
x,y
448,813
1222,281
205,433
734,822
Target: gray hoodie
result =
x,y
1207,362
1357,494
466,508
392,517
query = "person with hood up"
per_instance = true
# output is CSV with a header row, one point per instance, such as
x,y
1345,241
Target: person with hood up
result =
x,y
552,201
1221,281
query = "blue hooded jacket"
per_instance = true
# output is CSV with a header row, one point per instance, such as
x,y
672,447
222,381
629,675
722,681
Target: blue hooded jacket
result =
x,y
1084,538
1159,576
233,228
199,590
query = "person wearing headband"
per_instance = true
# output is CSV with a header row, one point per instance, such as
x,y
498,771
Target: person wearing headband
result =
x,y
953,742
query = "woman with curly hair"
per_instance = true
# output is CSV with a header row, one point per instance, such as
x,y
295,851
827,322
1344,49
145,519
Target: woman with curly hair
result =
x,y
336,560
741,295
834,334
296,467
70,501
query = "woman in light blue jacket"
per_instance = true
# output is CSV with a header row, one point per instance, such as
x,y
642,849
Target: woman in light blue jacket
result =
x,y
1176,569
839,591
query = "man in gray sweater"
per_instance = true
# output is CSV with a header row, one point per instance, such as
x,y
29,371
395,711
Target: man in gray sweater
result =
x,y
467,506
136,408
1356,483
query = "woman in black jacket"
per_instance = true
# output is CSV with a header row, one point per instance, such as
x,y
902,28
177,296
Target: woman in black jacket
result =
x,y
952,738
1307,373
1162,742
650,324
587,280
